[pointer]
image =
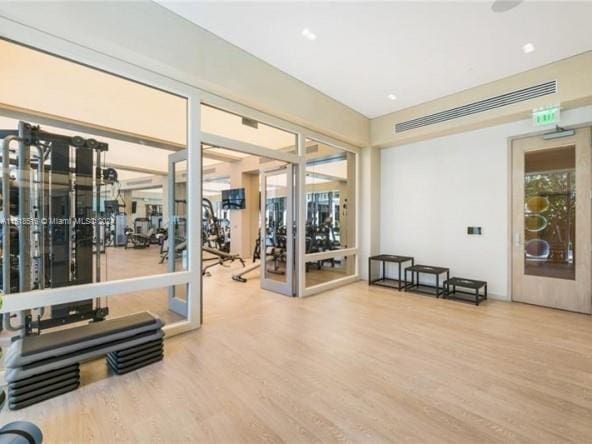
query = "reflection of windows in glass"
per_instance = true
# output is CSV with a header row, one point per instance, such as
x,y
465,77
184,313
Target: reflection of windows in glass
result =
x,y
549,213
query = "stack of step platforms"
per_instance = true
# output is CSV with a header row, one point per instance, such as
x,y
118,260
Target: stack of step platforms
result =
x,y
34,389
132,358
44,366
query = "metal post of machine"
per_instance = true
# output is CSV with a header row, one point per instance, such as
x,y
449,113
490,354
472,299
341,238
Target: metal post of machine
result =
x,y
6,213
96,218
23,182
98,227
40,215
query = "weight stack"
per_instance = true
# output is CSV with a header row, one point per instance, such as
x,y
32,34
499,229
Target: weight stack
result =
x,y
124,361
34,389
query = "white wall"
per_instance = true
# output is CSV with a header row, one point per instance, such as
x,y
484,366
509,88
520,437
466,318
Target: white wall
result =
x,y
432,190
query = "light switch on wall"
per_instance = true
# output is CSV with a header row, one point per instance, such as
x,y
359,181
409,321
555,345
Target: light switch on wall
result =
x,y
474,230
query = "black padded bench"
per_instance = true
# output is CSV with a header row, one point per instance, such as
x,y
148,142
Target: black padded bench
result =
x,y
44,366
383,279
472,284
415,285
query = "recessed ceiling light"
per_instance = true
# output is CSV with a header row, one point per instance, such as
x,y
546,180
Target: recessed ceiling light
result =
x,y
307,33
392,97
528,48
504,5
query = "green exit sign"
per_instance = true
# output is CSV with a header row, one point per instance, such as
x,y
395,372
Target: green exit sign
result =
x,y
545,116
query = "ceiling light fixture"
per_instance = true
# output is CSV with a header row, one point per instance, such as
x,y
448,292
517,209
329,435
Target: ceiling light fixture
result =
x,y
392,97
528,48
504,5
307,33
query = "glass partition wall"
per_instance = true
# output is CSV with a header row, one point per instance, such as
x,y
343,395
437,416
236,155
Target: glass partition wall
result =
x,y
309,203
86,159
330,195
111,149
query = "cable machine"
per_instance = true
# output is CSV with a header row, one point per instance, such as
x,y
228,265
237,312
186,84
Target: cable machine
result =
x,y
50,222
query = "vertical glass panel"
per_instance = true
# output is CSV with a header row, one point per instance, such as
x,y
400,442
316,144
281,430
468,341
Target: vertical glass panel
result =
x,y
179,218
550,213
330,198
276,214
327,270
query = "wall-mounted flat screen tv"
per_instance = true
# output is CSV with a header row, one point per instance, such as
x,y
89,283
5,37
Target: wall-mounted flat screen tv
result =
x,y
233,199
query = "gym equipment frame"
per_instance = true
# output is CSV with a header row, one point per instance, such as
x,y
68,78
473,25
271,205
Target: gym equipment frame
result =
x,y
50,179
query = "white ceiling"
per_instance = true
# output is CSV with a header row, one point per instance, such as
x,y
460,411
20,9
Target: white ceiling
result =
x,y
417,50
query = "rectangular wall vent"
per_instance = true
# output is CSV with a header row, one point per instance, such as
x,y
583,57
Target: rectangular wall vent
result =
x,y
480,106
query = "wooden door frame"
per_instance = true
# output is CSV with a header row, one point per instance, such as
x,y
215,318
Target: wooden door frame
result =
x,y
510,196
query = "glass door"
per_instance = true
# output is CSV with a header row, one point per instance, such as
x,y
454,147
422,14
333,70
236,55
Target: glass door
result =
x,y
174,248
551,221
277,230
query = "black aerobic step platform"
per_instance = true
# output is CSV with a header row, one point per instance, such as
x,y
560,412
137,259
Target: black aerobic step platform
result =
x,y
127,360
124,370
133,356
44,366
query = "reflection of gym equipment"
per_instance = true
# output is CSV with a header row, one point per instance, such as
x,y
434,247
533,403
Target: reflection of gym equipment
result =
x,y
215,240
215,232
323,209
112,207
154,214
50,178
275,249
318,239
142,235
322,228
141,225
275,238
180,247
179,228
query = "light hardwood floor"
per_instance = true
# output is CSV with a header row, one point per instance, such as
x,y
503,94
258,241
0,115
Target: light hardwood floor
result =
x,y
359,363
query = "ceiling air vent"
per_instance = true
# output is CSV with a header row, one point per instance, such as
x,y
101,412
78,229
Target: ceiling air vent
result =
x,y
480,106
250,122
